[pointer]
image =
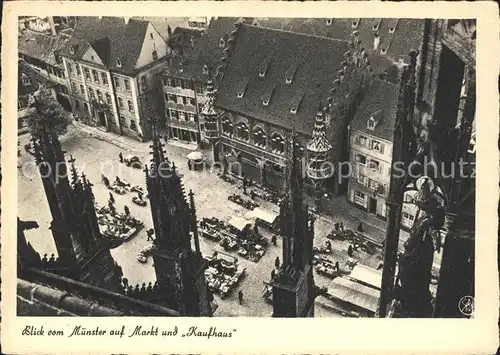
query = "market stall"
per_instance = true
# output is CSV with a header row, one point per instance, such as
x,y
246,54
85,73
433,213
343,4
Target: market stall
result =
x,y
265,218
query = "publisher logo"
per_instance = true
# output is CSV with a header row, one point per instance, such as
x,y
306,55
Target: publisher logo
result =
x,y
466,305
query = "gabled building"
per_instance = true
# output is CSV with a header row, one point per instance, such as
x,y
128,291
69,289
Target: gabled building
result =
x,y
371,137
275,80
41,50
184,81
112,66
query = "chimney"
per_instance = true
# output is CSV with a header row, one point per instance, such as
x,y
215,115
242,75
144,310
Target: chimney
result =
x,y
376,41
127,19
52,26
169,31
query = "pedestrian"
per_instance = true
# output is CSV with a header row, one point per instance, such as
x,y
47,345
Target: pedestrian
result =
x,y
277,262
273,240
118,181
273,274
252,195
342,226
256,229
336,226
150,233
127,210
350,251
139,195
111,198
360,227
121,157
112,208
337,266
240,296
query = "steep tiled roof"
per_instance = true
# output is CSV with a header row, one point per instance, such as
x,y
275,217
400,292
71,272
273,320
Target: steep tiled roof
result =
x,y
184,39
311,62
407,35
206,52
112,38
161,23
381,102
40,46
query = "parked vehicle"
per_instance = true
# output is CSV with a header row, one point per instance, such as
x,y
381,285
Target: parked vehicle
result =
x,y
138,201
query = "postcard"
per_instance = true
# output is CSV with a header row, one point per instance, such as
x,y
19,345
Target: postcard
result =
x,y
207,177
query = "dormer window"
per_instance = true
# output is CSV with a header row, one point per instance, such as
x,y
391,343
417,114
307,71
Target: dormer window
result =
x,y
391,29
155,55
72,49
25,80
263,67
383,50
222,43
266,98
296,100
118,63
241,88
376,25
205,69
355,23
329,22
373,120
290,73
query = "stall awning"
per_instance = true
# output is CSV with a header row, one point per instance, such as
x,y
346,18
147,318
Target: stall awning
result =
x,y
354,293
239,223
367,275
265,215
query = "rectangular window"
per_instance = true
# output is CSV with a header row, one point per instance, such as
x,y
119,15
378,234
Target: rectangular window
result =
x,y
178,82
86,107
95,74
192,102
373,164
172,97
99,95
133,125
361,159
117,82
192,117
180,99
77,105
127,84
361,179
104,78
170,82
199,88
87,74
82,89
70,69
408,219
172,114
360,198
108,98
376,145
78,70
147,103
123,121
184,100
144,82
130,106
91,93
74,87
363,141
120,102
182,116
373,184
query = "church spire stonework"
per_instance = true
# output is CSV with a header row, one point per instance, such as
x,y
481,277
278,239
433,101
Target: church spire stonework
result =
x,y
180,271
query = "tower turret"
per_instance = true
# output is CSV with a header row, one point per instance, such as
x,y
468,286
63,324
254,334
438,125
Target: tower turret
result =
x,y
211,117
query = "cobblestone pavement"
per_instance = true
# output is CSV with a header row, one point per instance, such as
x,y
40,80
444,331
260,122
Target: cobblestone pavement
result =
x,y
95,155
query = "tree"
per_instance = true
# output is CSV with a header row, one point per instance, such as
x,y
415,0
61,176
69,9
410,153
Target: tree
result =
x,y
49,113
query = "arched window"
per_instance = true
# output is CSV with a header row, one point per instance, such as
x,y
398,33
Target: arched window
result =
x,y
242,131
227,126
259,137
277,143
300,150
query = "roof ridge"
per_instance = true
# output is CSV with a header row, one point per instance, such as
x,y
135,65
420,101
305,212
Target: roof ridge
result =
x,y
295,33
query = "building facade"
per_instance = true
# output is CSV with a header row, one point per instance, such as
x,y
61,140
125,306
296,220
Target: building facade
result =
x,y
267,90
370,144
112,67
184,82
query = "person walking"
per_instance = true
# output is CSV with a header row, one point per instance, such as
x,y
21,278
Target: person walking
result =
x,y
337,266
120,156
273,274
150,233
111,198
337,226
350,251
277,262
127,210
240,297
273,240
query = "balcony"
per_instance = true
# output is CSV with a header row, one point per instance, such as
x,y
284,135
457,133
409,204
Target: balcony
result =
x,y
253,150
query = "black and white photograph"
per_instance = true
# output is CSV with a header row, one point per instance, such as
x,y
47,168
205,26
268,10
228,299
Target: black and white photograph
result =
x,y
246,167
